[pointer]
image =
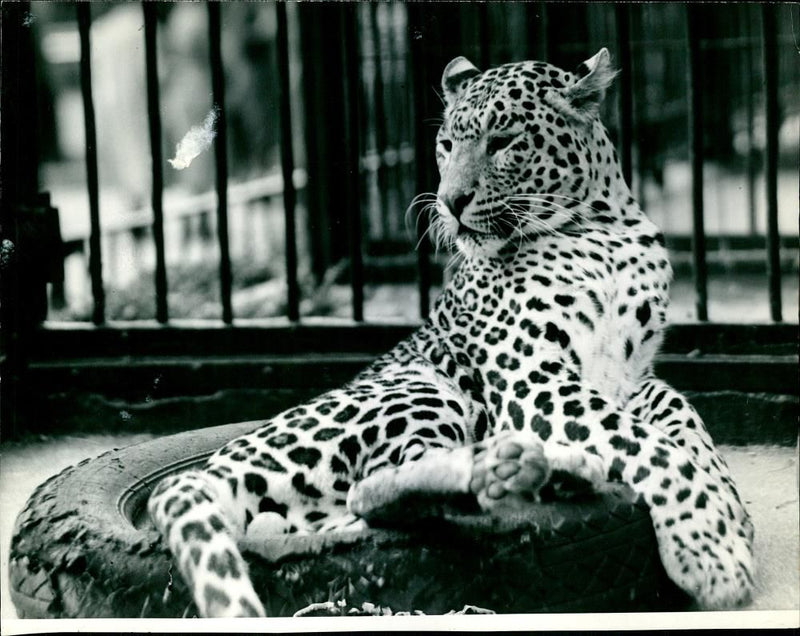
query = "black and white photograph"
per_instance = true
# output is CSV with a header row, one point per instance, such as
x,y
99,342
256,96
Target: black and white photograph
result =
x,y
346,316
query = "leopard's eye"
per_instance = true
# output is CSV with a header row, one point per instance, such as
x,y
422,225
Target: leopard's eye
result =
x,y
446,144
498,142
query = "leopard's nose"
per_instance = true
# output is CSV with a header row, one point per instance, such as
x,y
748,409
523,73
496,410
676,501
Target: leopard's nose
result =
x,y
457,205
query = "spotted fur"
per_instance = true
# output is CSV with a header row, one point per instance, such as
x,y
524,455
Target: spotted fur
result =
x,y
536,362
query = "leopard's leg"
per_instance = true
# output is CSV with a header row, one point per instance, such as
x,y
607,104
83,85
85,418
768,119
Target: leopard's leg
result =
x,y
293,473
189,511
703,531
431,457
657,403
503,472
701,526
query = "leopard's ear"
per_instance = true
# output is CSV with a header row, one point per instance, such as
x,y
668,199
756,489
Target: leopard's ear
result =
x,y
455,76
594,76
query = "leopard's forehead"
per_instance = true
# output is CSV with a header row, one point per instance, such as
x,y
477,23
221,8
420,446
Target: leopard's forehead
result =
x,y
527,76
499,97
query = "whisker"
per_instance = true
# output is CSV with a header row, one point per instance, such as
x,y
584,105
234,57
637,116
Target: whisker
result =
x,y
543,198
536,203
422,238
428,202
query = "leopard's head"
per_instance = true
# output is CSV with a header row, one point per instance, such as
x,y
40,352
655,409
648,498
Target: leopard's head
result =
x,y
518,150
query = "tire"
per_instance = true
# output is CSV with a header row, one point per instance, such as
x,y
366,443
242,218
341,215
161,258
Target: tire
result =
x,y
84,547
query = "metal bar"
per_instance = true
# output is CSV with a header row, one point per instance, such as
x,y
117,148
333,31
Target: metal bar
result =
x,y
422,83
313,89
313,372
350,64
532,26
220,150
395,106
730,242
548,45
401,99
484,34
770,56
381,134
68,342
622,19
19,179
695,130
95,256
154,118
287,163
752,151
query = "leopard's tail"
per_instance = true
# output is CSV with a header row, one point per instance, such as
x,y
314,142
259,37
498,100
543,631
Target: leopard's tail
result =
x,y
187,510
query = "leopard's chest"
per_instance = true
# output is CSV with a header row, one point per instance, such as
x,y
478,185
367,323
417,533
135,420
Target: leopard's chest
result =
x,y
543,316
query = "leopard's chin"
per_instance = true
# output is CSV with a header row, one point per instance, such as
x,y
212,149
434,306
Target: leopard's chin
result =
x,y
475,244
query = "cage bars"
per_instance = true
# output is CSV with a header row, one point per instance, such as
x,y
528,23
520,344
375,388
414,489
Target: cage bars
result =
x,y
695,140
95,257
221,159
154,121
625,90
484,35
770,57
752,151
423,81
350,64
539,26
317,208
381,133
423,164
287,163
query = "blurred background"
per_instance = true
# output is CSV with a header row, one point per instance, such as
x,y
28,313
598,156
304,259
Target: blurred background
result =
x,y
400,50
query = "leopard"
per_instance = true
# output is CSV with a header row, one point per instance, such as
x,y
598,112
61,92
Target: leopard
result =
x,y
536,360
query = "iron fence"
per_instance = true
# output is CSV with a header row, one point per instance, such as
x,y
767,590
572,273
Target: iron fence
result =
x,y
385,156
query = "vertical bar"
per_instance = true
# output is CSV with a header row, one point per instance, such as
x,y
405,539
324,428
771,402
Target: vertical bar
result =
x,y
287,163
368,146
221,154
695,124
622,18
770,54
394,105
366,113
352,203
547,45
95,257
313,89
422,85
19,185
381,135
401,100
484,34
752,152
536,23
154,118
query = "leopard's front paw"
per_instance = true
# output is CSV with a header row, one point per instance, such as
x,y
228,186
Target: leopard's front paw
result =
x,y
508,472
708,554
